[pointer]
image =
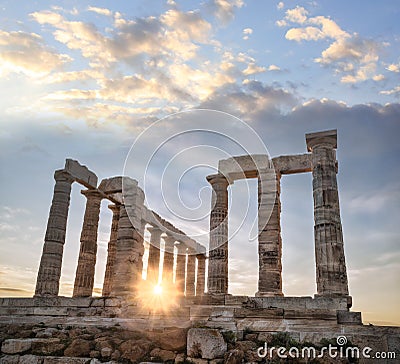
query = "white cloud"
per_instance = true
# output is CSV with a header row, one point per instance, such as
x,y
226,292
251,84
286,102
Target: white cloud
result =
x,y
224,10
274,67
252,69
100,11
27,53
307,33
297,15
280,5
247,32
393,68
393,91
353,57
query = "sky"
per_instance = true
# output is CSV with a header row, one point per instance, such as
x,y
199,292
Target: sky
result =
x,y
84,80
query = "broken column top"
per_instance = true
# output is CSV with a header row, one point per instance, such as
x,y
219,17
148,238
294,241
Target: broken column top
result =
x,y
321,137
81,173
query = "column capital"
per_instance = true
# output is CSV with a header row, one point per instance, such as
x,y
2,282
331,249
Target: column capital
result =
x,y
154,230
181,248
170,240
63,176
217,179
328,137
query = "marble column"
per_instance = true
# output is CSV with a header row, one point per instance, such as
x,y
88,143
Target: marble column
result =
x,y
111,250
218,249
201,274
84,277
48,279
329,251
153,262
180,268
128,258
168,265
191,273
269,234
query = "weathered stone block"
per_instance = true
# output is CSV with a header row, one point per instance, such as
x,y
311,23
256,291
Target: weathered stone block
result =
x,y
164,355
65,360
231,300
50,346
29,359
16,346
9,359
349,318
259,312
205,343
169,339
315,314
50,311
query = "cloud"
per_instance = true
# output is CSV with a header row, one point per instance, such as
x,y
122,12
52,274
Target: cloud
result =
x,y
296,15
250,100
394,91
280,5
393,68
100,11
273,67
253,69
351,56
375,201
246,33
224,10
27,53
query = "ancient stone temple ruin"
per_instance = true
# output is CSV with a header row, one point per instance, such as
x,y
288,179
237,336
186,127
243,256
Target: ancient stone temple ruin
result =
x,y
189,322
126,244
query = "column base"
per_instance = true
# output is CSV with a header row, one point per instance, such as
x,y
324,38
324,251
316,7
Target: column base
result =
x,y
268,294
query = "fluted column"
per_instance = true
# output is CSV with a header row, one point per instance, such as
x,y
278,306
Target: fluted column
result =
x,y
180,268
191,273
329,250
201,274
48,279
128,258
111,250
153,262
84,277
168,265
269,236
218,254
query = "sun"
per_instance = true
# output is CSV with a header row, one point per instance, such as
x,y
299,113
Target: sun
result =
x,y
157,290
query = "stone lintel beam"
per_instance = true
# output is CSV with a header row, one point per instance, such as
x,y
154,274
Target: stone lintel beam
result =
x,y
290,164
245,166
166,227
81,173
